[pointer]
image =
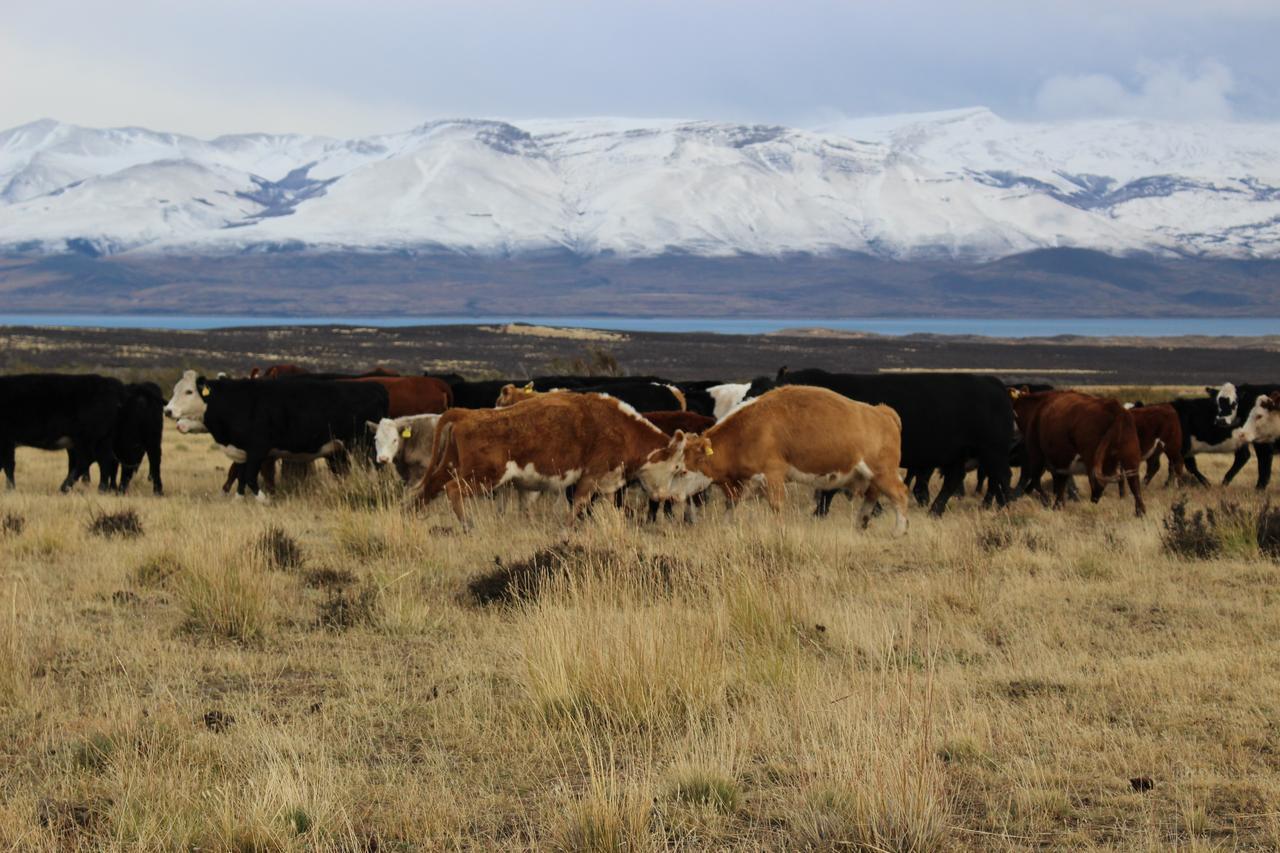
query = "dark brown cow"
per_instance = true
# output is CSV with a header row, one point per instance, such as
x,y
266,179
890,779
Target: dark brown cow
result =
x,y
808,435
412,395
590,441
1068,432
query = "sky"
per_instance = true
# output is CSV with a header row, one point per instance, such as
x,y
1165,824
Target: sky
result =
x,y
207,67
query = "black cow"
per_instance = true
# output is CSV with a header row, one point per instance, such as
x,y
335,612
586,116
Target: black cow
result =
x,y
948,419
1201,433
299,420
139,432
54,411
1233,403
642,395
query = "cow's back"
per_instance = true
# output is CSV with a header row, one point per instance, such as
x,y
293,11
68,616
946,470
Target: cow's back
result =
x,y
945,417
296,416
39,408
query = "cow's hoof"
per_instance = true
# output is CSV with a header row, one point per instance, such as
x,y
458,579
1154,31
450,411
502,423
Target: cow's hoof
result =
x,y
263,498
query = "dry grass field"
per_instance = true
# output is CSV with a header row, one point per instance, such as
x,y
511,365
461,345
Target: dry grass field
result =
x,y
318,674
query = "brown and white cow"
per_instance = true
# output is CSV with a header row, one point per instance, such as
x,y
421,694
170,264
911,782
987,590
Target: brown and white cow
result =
x,y
808,435
1067,432
591,441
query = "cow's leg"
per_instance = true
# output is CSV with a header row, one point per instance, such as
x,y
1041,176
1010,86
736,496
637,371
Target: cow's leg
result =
x,y
1060,489
1153,464
654,506
126,475
105,455
952,482
81,459
870,494
994,468
1264,453
1073,492
1135,486
582,497
921,487
822,501
889,484
153,465
456,492
7,462
233,477
775,488
254,458
1194,467
1177,467
1242,458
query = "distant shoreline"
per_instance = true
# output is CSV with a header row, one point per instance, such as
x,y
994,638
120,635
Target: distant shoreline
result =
x,y
499,351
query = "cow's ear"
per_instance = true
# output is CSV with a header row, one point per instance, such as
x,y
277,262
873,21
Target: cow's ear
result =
x,y
1014,393
1269,402
1212,392
678,437
782,372
371,426
529,386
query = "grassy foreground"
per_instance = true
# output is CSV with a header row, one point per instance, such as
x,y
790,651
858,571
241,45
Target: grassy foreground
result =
x,y
316,674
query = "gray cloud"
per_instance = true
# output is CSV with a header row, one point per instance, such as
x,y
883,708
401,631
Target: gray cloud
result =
x,y
344,68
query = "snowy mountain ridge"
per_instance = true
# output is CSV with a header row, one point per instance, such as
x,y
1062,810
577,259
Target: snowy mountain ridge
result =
x,y
961,184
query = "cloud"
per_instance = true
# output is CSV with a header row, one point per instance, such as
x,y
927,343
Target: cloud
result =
x,y
1159,90
82,87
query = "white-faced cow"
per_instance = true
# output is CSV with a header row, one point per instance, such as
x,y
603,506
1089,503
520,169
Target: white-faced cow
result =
x,y
405,443
297,420
1263,423
1233,404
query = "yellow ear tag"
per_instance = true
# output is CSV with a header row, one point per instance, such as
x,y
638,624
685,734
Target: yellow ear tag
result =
x,y
707,450
529,387
406,433
204,392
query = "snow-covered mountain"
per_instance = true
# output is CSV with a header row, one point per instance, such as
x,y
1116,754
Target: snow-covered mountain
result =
x,y
964,184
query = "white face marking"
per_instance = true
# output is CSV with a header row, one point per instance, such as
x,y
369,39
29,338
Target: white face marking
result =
x,y
1228,405
727,396
1262,425
186,402
656,476
386,441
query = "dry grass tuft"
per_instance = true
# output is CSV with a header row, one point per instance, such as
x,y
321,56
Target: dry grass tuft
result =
x,y
12,524
125,523
280,550
227,599
1267,531
524,579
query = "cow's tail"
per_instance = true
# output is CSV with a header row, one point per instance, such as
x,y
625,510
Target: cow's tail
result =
x,y
439,449
679,395
1121,423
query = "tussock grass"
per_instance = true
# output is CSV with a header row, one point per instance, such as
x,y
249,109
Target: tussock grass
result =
x,y
992,681
124,523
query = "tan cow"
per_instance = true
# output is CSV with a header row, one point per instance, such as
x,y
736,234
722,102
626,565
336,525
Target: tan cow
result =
x,y
807,435
552,441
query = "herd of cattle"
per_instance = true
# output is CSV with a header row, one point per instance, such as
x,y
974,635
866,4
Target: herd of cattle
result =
x,y
594,436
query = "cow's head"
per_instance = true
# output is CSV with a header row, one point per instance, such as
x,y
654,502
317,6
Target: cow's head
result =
x,y
512,394
1263,423
386,439
189,399
699,454
1228,403
661,466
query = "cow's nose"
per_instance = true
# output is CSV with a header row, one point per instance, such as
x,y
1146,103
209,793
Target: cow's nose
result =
x,y
383,460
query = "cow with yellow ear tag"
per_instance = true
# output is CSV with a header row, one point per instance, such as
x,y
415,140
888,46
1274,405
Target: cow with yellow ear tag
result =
x,y
405,443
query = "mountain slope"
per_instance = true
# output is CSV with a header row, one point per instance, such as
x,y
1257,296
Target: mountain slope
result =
x,y
964,185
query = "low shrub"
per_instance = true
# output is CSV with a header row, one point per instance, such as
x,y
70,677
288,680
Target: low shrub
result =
x,y
125,523
280,549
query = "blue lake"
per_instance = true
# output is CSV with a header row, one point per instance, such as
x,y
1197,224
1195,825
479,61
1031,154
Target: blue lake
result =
x,y
998,327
